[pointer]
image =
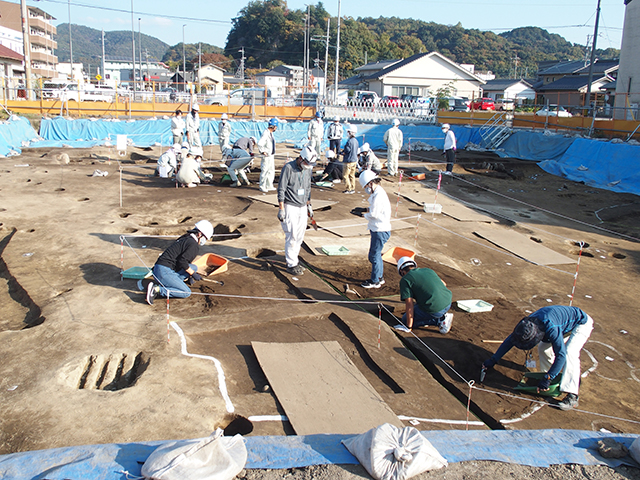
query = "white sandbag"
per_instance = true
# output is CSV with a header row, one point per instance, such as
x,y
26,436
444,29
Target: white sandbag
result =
x,y
634,450
390,453
214,458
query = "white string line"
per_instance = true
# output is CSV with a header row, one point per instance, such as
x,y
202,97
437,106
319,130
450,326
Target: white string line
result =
x,y
222,385
439,420
503,252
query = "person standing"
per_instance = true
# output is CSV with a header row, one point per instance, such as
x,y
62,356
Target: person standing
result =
x,y
174,265
546,328
315,132
193,130
334,135
427,298
224,134
294,202
449,147
177,127
350,160
241,156
393,139
267,148
379,216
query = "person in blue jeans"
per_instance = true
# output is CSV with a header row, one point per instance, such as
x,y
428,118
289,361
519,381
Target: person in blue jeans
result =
x,y
174,266
427,298
379,216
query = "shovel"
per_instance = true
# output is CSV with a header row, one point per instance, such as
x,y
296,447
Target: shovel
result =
x,y
219,282
314,224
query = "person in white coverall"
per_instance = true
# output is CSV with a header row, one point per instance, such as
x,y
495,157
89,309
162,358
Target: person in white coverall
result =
x,y
267,148
168,162
177,127
315,132
449,147
294,201
224,134
193,129
393,139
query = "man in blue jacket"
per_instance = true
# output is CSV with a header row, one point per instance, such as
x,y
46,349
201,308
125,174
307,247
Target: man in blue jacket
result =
x,y
350,159
546,328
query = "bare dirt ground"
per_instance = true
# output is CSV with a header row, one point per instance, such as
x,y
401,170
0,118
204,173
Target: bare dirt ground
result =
x,y
85,360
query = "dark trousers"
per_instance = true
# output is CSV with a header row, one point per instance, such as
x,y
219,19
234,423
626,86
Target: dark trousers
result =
x,y
450,155
334,170
335,145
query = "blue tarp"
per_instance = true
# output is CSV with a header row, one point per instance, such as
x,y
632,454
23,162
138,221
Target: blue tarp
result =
x,y
535,146
13,132
605,165
538,448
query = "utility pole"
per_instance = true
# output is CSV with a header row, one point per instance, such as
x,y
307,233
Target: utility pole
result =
x,y
133,50
140,47
586,50
26,42
593,57
240,73
146,52
335,81
515,64
70,41
326,57
184,63
104,77
199,67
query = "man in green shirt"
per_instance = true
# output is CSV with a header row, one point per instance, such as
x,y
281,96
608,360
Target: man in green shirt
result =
x,y
427,298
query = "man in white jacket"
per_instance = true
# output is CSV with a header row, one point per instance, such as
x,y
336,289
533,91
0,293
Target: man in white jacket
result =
x,y
393,139
267,148
193,130
315,132
177,127
224,134
379,216
449,147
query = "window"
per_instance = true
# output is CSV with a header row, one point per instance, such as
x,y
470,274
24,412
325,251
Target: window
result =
x,y
399,91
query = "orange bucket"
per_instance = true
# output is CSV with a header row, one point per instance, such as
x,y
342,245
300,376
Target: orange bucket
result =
x,y
396,253
211,264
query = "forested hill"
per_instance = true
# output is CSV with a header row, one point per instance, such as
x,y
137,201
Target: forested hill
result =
x,y
87,45
281,39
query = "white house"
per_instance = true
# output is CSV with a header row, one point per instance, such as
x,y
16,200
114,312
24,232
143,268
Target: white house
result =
x,y
422,74
211,77
515,89
64,71
11,72
275,81
628,80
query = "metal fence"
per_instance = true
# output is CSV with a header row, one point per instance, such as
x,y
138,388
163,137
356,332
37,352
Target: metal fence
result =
x,y
369,112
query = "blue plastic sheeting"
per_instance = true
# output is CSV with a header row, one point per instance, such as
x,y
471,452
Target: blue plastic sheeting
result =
x,y
605,165
538,448
61,131
535,146
13,132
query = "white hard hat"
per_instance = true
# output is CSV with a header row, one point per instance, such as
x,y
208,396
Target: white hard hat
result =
x,y
365,147
352,128
365,177
330,154
396,122
205,227
195,107
308,154
446,126
253,139
224,116
336,118
405,262
177,147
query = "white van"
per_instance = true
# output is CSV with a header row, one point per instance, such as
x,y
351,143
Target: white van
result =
x,y
241,96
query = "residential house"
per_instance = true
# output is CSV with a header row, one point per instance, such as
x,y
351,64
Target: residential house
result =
x,y
41,33
515,89
273,80
12,72
571,90
119,70
211,78
627,98
421,74
295,79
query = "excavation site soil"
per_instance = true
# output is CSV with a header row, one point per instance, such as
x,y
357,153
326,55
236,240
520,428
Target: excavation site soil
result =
x,y
85,360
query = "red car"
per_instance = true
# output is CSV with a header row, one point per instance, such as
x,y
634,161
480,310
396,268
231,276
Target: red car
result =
x,y
390,101
483,104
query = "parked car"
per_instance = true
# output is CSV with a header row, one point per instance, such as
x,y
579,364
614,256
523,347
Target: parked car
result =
x,y
483,104
366,98
553,111
54,88
390,101
241,96
306,100
458,105
505,104
99,93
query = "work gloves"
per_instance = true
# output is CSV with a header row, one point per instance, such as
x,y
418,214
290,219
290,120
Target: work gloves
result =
x,y
358,211
310,210
195,277
281,215
544,384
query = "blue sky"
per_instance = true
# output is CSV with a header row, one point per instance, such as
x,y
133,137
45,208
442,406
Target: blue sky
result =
x,y
209,21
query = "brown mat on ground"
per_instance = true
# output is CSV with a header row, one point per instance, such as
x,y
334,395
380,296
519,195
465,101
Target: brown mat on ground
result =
x,y
357,226
523,247
450,207
320,389
272,199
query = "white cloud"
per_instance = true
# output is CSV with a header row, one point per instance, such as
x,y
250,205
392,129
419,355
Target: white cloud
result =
x,y
161,21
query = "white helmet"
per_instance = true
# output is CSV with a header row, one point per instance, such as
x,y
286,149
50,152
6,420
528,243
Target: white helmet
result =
x,y
224,116
446,126
205,227
365,147
309,155
176,147
396,122
404,262
365,177
195,107
336,118
353,129
254,140
330,154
